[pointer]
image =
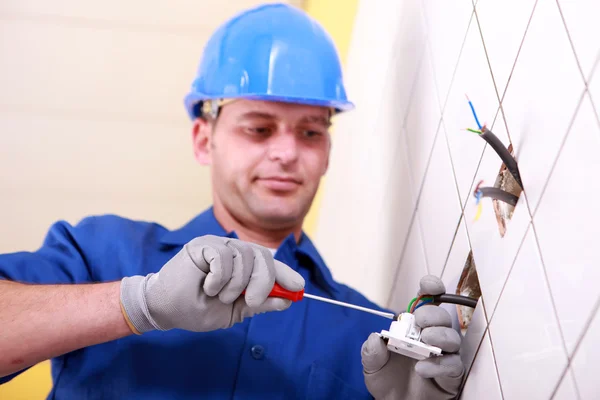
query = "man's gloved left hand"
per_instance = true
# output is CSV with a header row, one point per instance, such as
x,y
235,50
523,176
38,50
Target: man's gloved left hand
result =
x,y
393,376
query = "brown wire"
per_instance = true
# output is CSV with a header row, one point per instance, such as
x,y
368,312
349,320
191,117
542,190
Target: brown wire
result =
x,y
412,308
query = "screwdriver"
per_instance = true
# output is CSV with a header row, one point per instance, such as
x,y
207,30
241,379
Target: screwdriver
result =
x,y
279,291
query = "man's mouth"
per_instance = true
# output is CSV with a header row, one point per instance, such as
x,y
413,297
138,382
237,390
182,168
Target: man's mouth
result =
x,y
280,183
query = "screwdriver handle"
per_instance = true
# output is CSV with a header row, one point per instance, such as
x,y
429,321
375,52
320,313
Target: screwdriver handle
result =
x,y
279,291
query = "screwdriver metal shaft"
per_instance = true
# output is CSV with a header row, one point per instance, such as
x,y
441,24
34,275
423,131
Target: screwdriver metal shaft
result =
x,y
341,303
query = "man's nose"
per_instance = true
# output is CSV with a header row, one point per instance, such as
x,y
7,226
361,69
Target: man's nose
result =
x,y
283,147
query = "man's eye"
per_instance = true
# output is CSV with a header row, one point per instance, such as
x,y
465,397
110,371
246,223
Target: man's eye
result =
x,y
259,131
312,134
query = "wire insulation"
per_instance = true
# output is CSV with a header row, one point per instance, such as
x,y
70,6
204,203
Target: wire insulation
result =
x,y
440,298
503,153
499,194
474,113
410,304
455,299
412,309
426,301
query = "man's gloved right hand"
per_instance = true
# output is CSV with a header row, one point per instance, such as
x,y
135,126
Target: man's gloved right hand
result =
x,y
200,288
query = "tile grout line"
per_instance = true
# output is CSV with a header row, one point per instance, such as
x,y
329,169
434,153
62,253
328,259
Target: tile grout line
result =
x,y
402,254
558,154
437,137
462,206
487,327
510,270
405,132
414,84
489,331
486,146
553,303
452,164
398,153
423,243
512,70
389,69
592,74
440,126
443,108
564,22
445,101
417,200
398,150
460,219
488,320
586,328
487,58
468,371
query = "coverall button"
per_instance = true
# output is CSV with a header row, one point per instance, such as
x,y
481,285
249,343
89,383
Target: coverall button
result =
x,y
258,352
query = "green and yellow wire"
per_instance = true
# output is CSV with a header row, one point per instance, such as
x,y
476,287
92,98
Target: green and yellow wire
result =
x,y
414,303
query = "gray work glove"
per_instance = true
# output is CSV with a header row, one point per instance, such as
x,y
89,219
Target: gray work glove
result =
x,y
200,288
392,376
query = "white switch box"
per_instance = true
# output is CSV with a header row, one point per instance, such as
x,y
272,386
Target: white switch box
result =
x,y
404,337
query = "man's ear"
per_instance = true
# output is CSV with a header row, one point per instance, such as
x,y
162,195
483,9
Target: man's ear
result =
x,y
201,136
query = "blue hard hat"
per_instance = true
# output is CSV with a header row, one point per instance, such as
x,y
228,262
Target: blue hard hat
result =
x,y
272,52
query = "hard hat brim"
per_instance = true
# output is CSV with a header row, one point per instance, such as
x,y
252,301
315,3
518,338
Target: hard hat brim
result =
x,y
193,102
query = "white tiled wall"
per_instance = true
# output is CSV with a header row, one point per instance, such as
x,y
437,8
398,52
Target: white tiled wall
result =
x,y
532,70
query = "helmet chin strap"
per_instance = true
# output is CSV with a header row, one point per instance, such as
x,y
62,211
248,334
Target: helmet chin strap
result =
x,y
211,108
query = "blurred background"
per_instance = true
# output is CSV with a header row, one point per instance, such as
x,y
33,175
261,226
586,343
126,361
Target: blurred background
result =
x,y
92,122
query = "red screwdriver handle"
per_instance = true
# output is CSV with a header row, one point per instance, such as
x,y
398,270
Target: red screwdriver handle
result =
x,y
279,291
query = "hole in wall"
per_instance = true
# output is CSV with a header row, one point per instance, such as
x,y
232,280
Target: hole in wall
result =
x,y
468,285
505,181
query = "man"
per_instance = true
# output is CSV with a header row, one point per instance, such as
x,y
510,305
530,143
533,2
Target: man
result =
x,y
128,309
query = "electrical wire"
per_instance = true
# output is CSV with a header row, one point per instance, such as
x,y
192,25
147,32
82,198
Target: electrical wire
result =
x,y
473,111
503,153
455,299
426,301
412,309
479,211
498,194
478,203
410,304
440,298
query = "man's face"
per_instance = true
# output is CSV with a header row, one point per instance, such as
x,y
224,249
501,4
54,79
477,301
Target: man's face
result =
x,y
267,159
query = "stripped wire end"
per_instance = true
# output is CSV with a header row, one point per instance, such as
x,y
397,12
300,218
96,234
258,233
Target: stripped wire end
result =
x,y
478,194
474,131
473,111
479,211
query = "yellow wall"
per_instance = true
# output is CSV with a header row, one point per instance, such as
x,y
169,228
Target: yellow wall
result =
x,y
337,16
33,384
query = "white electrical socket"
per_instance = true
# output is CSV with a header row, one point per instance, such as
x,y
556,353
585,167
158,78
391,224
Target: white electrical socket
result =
x,y
404,337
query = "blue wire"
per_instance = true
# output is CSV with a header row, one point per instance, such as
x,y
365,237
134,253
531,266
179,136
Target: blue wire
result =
x,y
475,114
423,303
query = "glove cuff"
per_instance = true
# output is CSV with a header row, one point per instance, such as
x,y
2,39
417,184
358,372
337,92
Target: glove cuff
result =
x,y
134,306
